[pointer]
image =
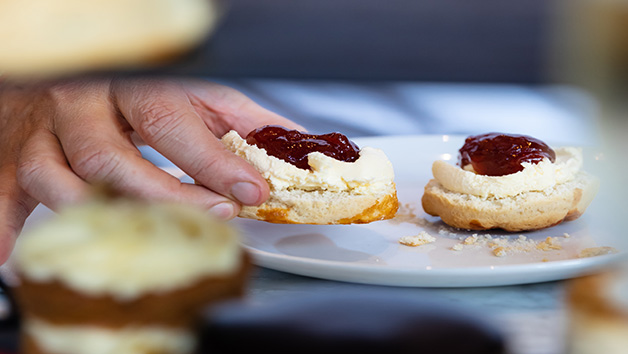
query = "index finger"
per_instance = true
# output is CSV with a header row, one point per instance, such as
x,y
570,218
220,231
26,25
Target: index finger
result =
x,y
161,113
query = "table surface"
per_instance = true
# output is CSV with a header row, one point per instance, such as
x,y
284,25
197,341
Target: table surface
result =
x,y
531,317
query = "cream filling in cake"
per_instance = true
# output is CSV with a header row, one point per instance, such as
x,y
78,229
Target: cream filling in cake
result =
x,y
533,177
371,173
125,249
98,340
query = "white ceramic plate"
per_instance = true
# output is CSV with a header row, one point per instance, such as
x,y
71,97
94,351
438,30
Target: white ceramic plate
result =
x,y
371,253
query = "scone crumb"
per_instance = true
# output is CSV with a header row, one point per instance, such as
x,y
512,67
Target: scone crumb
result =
x,y
471,240
458,247
597,251
443,231
549,244
500,251
422,238
502,246
405,213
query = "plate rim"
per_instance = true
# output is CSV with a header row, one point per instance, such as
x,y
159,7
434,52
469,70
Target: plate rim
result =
x,y
454,277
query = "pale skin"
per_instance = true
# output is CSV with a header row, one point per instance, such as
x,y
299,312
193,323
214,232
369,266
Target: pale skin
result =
x,y
59,138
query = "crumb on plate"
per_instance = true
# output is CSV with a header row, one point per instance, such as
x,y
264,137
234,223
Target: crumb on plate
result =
x,y
422,238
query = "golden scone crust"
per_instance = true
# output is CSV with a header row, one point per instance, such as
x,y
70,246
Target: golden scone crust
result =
x,y
300,207
527,211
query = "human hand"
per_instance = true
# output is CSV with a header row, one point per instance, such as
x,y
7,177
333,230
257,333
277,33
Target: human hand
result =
x,y
58,138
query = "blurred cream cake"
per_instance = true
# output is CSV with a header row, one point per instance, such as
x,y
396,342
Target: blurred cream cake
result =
x,y
123,276
327,191
598,313
43,38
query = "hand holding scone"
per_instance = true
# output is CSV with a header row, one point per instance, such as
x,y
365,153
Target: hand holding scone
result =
x,y
59,137
511,182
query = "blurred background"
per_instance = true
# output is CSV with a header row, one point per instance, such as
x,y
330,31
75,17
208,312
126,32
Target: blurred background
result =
x,y
425,67
427,40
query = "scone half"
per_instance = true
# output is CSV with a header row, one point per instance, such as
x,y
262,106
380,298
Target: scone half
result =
x,y
331,192
527,211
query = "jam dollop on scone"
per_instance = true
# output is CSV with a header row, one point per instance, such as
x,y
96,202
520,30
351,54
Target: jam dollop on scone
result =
x,y
294,147
496,154
510,182
124,276
316,179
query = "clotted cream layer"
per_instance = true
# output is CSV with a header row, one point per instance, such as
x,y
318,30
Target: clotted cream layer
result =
x,y
370,173
533,177
126,248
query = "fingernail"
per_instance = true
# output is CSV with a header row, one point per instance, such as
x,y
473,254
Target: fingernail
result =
x,y
246,193
224,210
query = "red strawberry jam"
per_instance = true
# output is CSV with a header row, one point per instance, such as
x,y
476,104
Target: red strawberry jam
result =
x,y
497,154
293,146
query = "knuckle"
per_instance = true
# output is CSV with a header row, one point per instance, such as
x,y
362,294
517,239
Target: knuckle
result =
x,y
95,165
22,209
29,171
206,163
155,121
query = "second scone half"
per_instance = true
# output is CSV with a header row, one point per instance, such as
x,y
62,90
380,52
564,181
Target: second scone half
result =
x,y
541,195
330,192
